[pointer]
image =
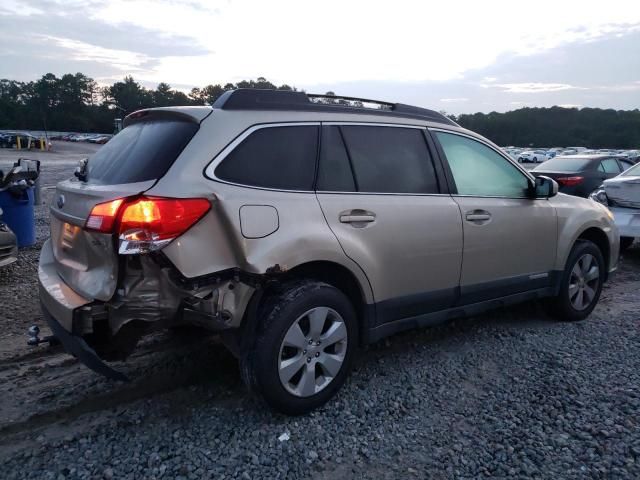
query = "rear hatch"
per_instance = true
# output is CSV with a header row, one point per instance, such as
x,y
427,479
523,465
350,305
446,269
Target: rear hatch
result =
x,y
128,165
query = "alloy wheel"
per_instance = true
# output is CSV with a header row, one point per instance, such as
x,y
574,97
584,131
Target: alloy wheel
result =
x,y
584,282
312,352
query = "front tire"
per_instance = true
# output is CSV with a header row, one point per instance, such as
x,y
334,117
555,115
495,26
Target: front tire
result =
x,y
304,348
581,283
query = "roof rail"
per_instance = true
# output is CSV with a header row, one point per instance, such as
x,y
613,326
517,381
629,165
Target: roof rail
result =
x,y
262,99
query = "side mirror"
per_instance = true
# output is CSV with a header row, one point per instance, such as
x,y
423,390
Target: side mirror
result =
x,y
545,187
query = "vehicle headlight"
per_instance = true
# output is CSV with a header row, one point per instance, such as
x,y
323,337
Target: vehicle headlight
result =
x,y
600,196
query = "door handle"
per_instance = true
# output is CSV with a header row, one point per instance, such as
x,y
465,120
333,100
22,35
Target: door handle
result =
x,y
478,216
357,217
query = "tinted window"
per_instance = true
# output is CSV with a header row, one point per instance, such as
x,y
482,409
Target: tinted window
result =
x,y
390,159
142,151
565,164
625,164
479,170
610,165
274,157
334,173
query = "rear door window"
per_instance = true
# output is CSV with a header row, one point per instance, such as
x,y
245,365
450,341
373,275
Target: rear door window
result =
x,y
335,172
274,157
625,164
389,159
610,165
142,151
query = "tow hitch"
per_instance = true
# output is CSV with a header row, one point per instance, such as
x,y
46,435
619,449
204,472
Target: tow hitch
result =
x,y
34,339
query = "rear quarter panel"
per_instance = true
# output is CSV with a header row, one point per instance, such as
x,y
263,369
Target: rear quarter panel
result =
x,y
216,243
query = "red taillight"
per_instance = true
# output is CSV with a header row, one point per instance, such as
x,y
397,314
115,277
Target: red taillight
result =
x,y
146,224
163,217
569,181
103,216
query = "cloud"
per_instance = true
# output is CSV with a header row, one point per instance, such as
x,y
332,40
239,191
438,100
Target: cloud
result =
x,y
124,60
624,87
535,87
290,42
15,8
468,55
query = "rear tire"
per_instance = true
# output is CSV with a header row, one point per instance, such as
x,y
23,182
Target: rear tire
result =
x,y
304,348
625,243
581,283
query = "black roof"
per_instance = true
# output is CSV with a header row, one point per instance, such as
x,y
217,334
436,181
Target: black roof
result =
x,y
259,99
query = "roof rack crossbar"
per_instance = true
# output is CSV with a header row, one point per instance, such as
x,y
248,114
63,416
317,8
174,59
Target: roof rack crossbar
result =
x,y
389,105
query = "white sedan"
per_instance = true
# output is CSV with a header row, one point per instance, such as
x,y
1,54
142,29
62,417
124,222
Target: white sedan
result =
x,y
532,156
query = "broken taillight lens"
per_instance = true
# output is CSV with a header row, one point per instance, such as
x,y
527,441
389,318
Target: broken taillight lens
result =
x,y
146,224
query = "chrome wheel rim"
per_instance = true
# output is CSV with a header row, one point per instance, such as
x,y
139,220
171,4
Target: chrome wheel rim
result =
x,y
312,351
583,283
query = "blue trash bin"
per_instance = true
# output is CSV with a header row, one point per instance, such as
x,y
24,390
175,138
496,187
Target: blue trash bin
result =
x,y
19,215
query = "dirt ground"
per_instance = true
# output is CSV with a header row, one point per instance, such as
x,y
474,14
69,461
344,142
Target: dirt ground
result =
x,y
48,398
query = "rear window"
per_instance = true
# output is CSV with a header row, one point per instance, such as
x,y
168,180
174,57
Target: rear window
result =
x,y
564,164
141,152
274,157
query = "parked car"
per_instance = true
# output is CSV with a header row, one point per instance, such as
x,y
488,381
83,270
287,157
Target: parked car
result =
x,y
301,231
10,140
622,195
100,139
581,174
532,156
8,244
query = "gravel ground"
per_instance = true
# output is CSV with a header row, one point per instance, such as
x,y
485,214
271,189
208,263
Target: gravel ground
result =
x,y
511,394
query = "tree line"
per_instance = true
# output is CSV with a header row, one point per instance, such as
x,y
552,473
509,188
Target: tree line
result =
x,y
78,103
558,127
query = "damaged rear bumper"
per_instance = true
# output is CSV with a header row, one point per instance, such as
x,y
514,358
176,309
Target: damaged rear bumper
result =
x,y
149,297
58,303
79,348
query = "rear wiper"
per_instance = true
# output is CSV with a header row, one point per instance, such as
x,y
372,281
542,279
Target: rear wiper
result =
x,y
81,170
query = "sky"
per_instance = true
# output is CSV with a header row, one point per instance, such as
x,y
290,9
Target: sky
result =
x,y
457,56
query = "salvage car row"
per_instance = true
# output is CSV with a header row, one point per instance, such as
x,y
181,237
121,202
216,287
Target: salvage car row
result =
x,y
610,180
26,140
539,155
